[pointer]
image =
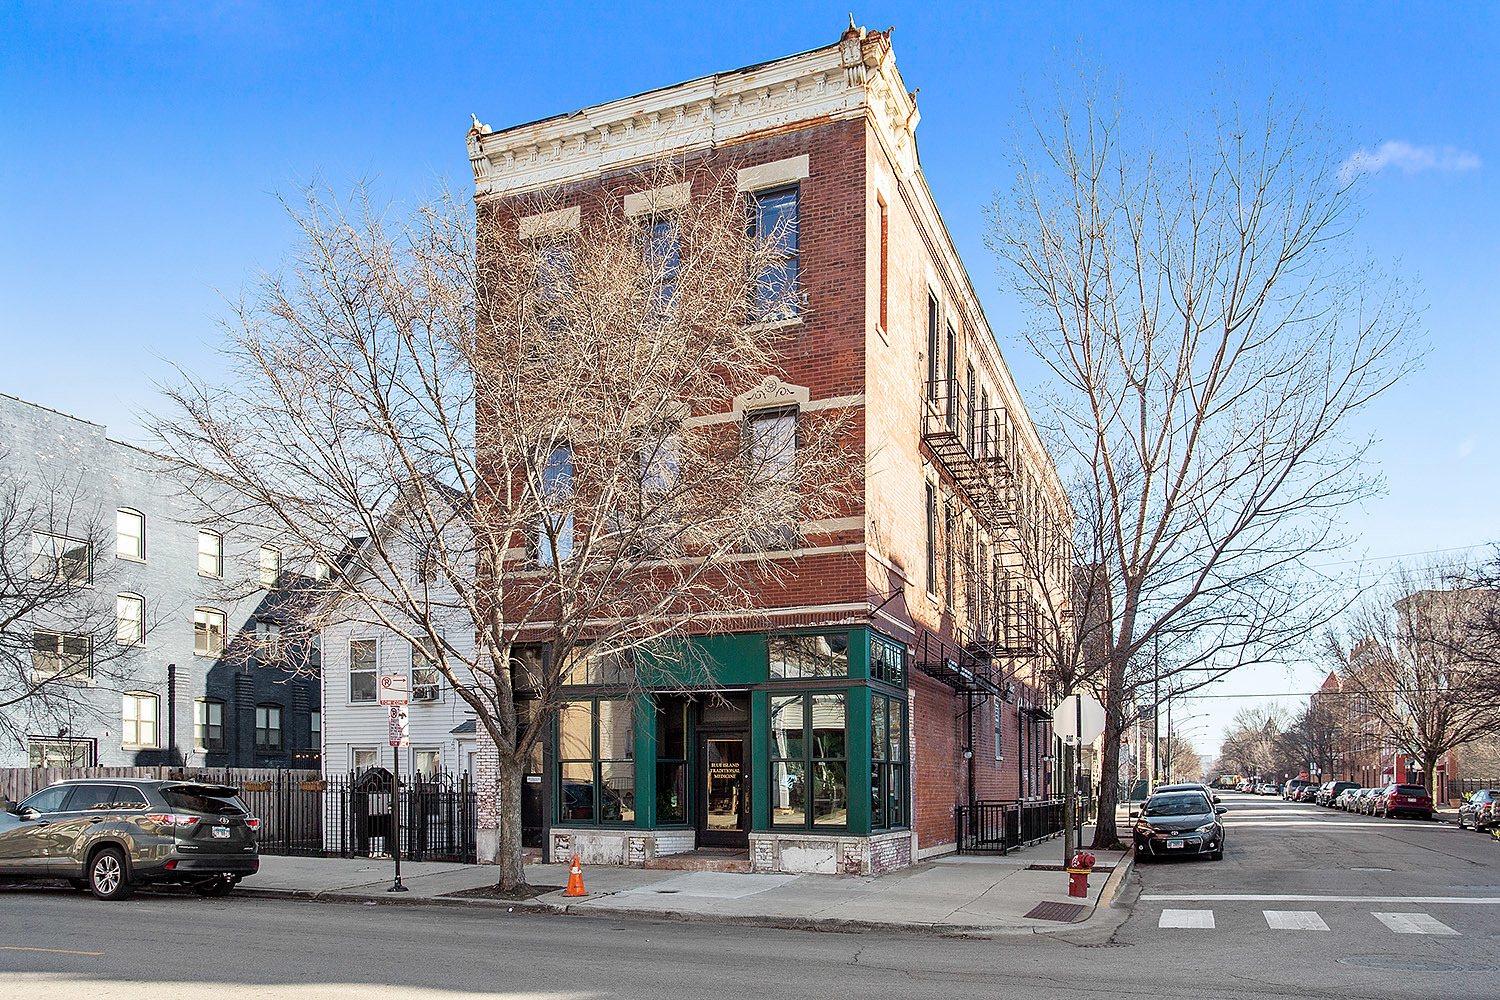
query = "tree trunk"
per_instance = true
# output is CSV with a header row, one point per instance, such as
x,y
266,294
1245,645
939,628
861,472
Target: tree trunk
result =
x,y
512,879
1105,834
1429,776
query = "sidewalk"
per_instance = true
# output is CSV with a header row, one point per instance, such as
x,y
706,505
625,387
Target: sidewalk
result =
x,y
970,894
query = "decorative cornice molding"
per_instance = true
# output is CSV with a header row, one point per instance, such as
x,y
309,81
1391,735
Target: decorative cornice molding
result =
x,y
855,77
771,392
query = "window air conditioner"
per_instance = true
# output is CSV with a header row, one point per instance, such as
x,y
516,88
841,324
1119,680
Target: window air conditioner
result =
x,y
425,692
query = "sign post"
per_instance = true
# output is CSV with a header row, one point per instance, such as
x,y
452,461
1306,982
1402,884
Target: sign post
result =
x,y
1077,720
395,690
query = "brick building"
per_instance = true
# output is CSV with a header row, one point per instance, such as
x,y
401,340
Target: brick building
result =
x,y
898,677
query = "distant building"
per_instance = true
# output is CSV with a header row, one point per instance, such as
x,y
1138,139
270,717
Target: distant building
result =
x,y
191,668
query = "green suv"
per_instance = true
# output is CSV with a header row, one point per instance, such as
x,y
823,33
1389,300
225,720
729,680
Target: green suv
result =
x,y
109,835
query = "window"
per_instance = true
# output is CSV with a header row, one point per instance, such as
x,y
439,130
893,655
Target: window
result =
x,y
270,566
809,760
770,457
208,724
773,225
661,460
315,728
887,660
969,402
934,327
427,763
888,766
138,717
365,758
48,800
885,228
663,259
950,392
932,538
321,571
267,728
62,656
556,516
130,619
57,557
362,683
268,641
208,632
424,671
596,769
999,727
210,554
984,424
671,761
130,534
425,561
60,752
816,655
948,539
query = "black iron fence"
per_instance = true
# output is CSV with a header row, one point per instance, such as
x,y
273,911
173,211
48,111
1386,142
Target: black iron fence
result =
x,y
1462,788
439,817
999,827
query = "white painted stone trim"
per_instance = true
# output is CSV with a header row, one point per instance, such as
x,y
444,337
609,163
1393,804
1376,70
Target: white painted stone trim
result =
x,y
774,174
545,224
771,392
662,199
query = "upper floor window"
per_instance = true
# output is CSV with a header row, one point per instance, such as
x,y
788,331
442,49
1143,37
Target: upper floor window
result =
x,y
210,554
771,455
424,671
208,724
208,632
268,728
62,656
934,328
555,520
268,640
662,259
887,660
774,225
130,620
362,668
321,570
270,566
815,655
138,719
130,534
57,557
425,561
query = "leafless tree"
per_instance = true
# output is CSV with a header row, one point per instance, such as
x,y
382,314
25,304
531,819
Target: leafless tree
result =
x,y
1317,736
60,636
1209,332
547,421
1253,741
1414,662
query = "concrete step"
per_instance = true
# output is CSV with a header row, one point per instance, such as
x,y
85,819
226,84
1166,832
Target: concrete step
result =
x,y
703,860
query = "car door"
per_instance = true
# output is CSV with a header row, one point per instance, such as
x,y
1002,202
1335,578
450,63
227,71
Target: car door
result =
x,y
87,807
24,841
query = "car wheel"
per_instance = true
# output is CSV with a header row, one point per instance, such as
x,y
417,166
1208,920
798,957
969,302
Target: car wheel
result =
x,y
214,887
109,874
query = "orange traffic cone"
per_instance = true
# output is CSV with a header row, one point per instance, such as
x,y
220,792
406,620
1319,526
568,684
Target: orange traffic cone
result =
x,y
575,880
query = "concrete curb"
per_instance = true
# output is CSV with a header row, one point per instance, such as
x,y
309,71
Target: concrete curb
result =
x,y
1105,899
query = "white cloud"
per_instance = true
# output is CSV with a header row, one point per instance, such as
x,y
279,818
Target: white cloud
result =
x,y
1407,158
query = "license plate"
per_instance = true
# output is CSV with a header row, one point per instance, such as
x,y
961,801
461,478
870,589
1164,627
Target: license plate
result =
x,y
221,833
1174,844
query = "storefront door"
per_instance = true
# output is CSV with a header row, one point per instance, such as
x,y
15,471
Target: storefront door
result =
x,y
724,790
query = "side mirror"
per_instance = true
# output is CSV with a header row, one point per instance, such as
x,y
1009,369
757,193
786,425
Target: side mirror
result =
x,y
1216,798
1220,810
28,813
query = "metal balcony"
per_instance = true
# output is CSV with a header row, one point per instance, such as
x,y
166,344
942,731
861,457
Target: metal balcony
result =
x,y
977,446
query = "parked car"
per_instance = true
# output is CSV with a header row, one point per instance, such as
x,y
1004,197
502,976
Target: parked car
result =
x,y
1293,789
1358,800
1342,801
109,836
1189,786
1329,794
1410,800
1471,811
1173,823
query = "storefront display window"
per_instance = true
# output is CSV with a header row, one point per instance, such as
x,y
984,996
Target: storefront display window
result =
x,y
810,760
887,762
809,655
596,769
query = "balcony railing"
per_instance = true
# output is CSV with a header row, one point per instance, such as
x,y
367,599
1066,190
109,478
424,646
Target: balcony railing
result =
x,y
977,446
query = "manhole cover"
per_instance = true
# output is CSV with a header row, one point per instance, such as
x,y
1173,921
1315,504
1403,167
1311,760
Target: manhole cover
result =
x,y
1396,963
1064,912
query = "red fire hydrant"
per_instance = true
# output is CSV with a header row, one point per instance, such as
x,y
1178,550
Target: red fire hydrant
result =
x,y
1079,867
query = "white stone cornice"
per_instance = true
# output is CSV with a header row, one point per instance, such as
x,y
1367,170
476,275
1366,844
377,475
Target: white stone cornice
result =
x,y
855,77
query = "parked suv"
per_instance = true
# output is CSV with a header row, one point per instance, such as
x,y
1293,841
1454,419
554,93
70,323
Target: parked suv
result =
x,y
1329,794
1410,799
110,835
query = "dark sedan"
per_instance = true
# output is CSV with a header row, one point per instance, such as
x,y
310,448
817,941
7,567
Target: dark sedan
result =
x,y
1173,823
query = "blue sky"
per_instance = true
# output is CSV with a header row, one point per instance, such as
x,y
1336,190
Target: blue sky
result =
x,y
142,145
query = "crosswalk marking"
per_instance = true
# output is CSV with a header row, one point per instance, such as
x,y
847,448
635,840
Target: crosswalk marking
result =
x,y
1294,920
1414,923
1187,918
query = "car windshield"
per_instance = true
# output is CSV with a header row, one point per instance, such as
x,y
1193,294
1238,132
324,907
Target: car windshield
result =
x,y
204,799
1176,805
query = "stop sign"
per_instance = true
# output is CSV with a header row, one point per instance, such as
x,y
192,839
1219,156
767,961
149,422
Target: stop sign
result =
x,y
1076,709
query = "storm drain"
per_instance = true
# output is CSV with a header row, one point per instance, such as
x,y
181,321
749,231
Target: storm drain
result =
x,y
1063,912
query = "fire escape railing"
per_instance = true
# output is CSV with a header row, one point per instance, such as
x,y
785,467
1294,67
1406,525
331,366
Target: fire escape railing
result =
x,y
977,446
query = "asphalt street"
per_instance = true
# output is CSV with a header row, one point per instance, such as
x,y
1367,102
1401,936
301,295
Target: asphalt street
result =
x,y
1307,903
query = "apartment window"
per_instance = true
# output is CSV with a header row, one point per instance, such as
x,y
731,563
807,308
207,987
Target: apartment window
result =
x,y
138,715
362,682
268,728
270,566
208,632
808,655
427,763
321,571
268,641
773,225
887,660
949,528
57,557
596,769
662,259
424,671
969,403
999,727
934,325
951,374
885,230
62,656
130,619
315,728
661,460
771,455
208,724
809,753
888,763
984,424
425,561
60,752
210,554
364,758
556,516
932,518
130,534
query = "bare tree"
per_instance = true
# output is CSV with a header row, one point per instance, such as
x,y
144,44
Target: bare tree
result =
x,y
61,634
1209,334
1253,742
1318,736
1413,663
546,420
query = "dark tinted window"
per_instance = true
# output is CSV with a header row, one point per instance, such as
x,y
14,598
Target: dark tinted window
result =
x,y
1410,790
1177,805
129,797
48,800
86,797
203,800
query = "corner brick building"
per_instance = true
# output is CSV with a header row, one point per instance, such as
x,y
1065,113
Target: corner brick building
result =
x,y
897,681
